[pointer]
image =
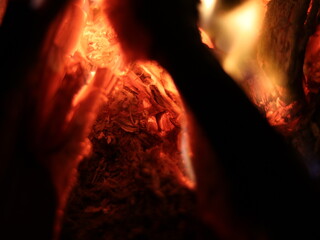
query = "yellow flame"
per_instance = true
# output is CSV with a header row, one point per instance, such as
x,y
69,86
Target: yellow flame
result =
x,y
234,33
206,8
240,29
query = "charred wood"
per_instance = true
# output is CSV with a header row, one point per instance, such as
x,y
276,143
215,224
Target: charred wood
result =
x,y
285,33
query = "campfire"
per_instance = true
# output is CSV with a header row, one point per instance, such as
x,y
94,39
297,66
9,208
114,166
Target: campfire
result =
x,y
110,148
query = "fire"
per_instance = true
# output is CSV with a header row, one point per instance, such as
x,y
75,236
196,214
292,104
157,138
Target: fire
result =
x,y
240,32
137,96
235,35
83,95
206,9
127,120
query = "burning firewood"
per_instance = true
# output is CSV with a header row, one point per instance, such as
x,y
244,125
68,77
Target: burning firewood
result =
x,y
68,98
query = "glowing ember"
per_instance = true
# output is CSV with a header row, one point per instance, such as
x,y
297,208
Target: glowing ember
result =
x,y
137,97
157,100
140,129
80,75
125,123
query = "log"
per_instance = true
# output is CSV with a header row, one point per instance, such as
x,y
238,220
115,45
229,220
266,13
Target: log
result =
x,y
285,33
